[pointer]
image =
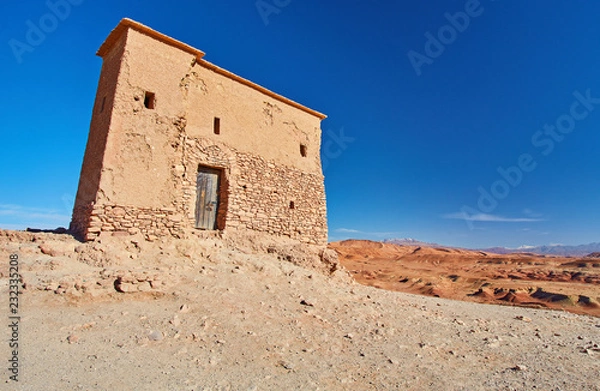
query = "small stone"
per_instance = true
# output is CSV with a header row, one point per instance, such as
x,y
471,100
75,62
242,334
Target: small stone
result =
x,y
523,318
521,368
175,321
125,287
144,286
307,302
184,309
73,339
46,250
156,336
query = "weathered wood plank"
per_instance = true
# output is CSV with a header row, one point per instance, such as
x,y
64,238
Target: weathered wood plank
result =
x,y
207,201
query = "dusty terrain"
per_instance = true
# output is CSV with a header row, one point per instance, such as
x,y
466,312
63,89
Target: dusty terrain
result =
x,y
212,314
570,284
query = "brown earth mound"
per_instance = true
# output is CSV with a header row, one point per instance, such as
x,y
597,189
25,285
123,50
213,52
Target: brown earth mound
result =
x,y
212,312
512,279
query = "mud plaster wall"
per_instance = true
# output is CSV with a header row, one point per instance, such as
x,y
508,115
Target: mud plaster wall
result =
x,y
151,156
94,153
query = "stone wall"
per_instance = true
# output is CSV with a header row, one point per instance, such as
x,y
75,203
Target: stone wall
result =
x,y
151,222
279,200
257,194
80,221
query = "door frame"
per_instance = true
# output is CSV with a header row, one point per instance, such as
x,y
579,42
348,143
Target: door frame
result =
x,y
219,214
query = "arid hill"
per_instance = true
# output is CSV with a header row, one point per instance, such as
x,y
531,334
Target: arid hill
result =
x,y
214,314
524,279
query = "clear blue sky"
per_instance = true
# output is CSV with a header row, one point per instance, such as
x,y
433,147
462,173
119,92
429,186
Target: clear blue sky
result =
x,y
426,101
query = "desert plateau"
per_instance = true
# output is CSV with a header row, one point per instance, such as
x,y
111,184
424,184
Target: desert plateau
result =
x,y
523,279
211,313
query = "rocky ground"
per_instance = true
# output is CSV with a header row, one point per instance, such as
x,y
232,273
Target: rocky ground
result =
x,y
215,314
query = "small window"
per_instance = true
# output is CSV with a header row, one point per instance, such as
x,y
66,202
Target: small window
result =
x,y
102,104
303,150
149,100
217,125
292,205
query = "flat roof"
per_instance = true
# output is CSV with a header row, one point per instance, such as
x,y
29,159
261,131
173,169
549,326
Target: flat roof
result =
x,y
126,23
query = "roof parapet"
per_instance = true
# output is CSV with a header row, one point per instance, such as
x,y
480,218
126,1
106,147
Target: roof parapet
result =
x,y
132,24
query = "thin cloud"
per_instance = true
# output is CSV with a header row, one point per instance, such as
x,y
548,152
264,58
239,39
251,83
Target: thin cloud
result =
x,y
530,213
366,233
21,216
484,217
348,231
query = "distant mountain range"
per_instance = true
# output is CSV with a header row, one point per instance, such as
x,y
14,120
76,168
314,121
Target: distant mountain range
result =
x,y
559,250
411,242
565,251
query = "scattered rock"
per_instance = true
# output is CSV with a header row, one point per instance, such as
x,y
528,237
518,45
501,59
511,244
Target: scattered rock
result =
x,y
175,321
523,318
47,250
307,302
184,309
156,336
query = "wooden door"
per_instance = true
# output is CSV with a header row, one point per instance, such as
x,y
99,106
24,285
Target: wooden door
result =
x,y
207,201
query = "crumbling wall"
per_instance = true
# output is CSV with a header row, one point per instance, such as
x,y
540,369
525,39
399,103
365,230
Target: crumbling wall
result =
x,y
279,200
93,161
262,195
259,195
150,222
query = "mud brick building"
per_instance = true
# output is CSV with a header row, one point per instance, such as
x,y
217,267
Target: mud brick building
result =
x,y
177,143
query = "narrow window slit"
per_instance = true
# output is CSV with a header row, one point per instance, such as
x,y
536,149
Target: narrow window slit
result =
x,y
149,100
217,125
303,150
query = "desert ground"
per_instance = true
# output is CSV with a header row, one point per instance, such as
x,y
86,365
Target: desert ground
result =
x,y
570,284
213,313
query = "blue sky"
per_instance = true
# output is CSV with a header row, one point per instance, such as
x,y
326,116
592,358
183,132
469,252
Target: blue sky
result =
x,y
468,123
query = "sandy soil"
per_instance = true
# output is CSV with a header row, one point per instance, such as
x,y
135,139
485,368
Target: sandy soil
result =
x,y
207,314
570,284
